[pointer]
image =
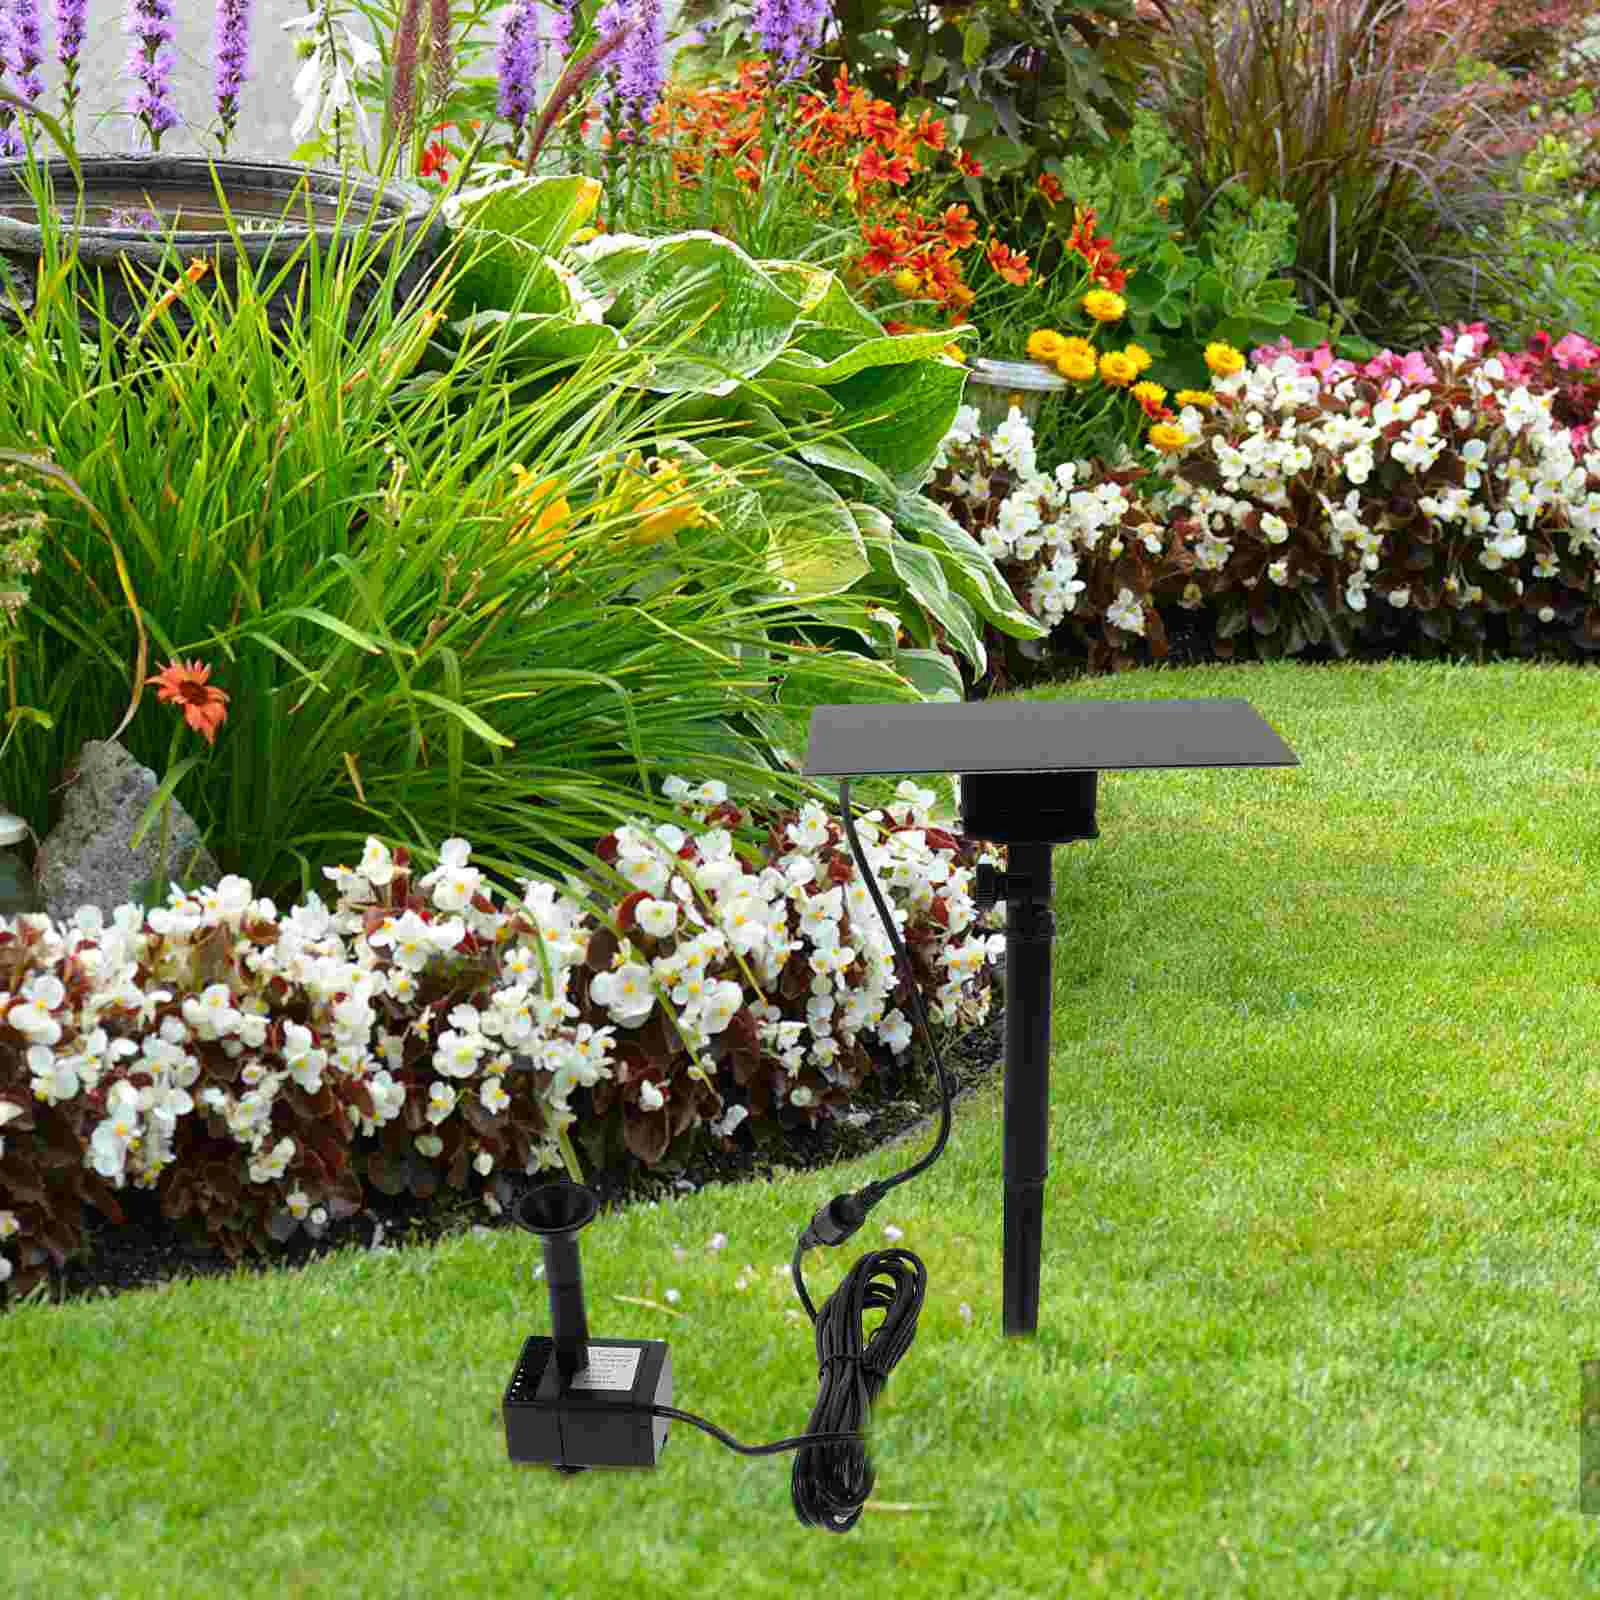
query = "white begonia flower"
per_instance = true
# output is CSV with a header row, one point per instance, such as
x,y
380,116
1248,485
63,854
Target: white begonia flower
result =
x,y
377,865
1126,612
411,937
658,918
625,993
456,1055
34,1022
228,900
213,1014
441,1102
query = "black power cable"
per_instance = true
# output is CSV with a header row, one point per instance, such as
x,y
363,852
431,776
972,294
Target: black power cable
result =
x,y
833,1475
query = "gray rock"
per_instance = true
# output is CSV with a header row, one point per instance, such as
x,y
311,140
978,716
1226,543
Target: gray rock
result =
x,y
86,859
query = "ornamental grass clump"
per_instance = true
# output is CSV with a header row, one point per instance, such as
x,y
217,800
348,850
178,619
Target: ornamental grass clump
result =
x,y
255,1068
410,648
1400,176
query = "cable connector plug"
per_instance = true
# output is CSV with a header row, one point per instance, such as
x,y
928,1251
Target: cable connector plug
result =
x,y
836,1221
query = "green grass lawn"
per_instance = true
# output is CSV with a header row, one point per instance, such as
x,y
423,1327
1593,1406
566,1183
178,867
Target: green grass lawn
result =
x,y
1320,1256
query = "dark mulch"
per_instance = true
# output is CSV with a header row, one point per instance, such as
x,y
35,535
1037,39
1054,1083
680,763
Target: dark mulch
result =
x,y
904,1101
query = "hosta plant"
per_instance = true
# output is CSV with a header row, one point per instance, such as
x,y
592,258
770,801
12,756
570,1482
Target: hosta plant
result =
x,y
834,420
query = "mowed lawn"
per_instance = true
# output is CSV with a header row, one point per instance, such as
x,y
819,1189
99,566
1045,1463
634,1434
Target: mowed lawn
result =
x,y
1321,1255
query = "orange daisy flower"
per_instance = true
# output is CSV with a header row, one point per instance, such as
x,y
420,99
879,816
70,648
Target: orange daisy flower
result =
x,y
1012,265
960,230
205,706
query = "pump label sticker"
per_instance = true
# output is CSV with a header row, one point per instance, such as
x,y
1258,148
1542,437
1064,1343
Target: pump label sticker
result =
x,y
608,1368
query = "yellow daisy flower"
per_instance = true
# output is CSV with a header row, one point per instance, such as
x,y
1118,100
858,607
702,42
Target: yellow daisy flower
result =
x,y
1140,355
1118,367
1044,344
1153,392
1104,306
1077,365
1223,359
1196,397
1168,436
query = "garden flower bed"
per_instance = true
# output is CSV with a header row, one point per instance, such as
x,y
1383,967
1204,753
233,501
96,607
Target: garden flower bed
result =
x,y
1288,494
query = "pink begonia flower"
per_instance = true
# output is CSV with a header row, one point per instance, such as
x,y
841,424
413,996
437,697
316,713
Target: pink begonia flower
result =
x,y
1318,363
1478,332
1573,350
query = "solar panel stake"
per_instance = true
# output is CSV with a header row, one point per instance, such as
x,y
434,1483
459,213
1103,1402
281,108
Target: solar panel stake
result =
x,y
1027,891
1029,774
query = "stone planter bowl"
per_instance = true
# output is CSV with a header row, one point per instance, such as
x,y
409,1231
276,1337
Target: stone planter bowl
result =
x,y
995,386
272,197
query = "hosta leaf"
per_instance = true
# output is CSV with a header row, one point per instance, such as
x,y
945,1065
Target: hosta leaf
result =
x,y
700,294
811,363
901,413
540,212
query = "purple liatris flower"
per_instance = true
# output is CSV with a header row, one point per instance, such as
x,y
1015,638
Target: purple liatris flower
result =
x,y
26,47
518,66
559,39
790,30
69,41
640,75
10,140
150,62
613,20
23,51
233,50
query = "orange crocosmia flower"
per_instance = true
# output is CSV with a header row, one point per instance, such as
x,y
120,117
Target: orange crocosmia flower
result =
x,y
205,706
960,230
885,249
1050,188
433,160
872,168
883,124
1012,265
965,163
930,131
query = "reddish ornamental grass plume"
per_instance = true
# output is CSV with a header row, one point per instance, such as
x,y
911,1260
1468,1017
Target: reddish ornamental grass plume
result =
x,y
205,706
